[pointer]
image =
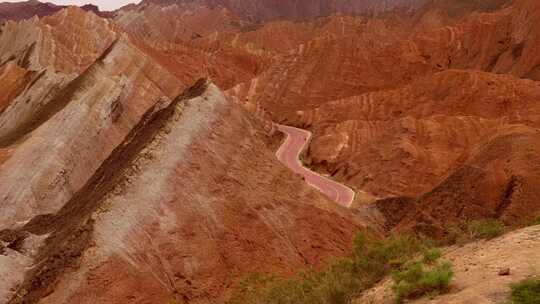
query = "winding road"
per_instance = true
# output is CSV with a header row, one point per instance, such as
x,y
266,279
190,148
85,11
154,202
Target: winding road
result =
x,y
289,155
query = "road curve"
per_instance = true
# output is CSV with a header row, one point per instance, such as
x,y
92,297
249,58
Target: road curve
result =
x,y
289,155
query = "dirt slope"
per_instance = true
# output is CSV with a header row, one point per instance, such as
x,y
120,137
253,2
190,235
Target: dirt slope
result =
x,y
498,181
477,267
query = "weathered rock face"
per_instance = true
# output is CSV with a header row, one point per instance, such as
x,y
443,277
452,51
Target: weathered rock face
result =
x,y
398,114
349,57
387,52
127,179
421,131
497,181
176,22
170,36
74,109
184,213
39,59
504,41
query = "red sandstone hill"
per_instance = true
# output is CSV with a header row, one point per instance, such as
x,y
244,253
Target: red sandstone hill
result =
x,y
264,10
118,166
173,193
397,105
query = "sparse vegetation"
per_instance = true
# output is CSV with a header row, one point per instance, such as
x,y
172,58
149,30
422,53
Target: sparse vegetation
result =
x,y
475,230
485,229
344,278
526,292
418,278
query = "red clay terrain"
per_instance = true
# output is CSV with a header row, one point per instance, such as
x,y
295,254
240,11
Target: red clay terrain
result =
x,y
139,163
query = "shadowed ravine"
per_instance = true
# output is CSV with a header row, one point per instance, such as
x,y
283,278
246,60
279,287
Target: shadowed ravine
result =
x,y
289,154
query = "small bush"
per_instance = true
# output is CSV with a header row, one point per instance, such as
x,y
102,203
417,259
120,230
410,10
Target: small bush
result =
x,y
428,276
338,283
376,258
536,221
526,292
485,229
432,255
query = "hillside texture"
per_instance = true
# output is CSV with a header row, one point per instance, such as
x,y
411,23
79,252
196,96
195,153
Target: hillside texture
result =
x,y
137,147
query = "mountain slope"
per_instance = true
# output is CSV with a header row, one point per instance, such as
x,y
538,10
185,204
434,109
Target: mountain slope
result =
x,y
265,10
207,217
114,152
125,178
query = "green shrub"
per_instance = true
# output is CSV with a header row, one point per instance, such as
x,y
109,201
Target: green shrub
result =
x,y
335,285
526,292
431,255
428,276
338,283
376,258
485,229
536,221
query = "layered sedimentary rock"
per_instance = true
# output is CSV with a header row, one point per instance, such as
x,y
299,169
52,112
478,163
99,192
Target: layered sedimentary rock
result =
x,y
178,213
503,41
178,21
351,56
128,179
38,62
420,131
388,52
68,118
497,181
424,97
264,10
168,35
120,185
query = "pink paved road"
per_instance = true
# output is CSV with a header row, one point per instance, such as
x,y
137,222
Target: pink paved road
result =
x,y
289,155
